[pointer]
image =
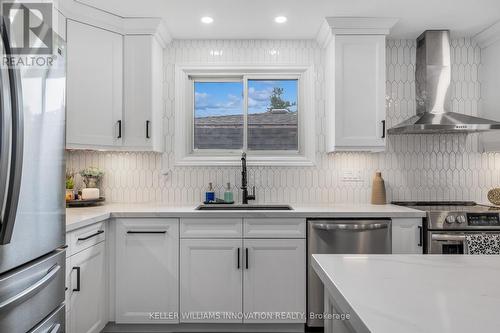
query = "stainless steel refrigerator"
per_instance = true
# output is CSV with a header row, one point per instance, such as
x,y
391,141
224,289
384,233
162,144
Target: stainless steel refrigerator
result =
x,y
32,215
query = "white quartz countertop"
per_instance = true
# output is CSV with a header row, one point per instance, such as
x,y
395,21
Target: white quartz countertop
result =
x,y
415,293
80,217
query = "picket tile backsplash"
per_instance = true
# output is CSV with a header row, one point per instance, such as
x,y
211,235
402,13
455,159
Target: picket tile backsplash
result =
x,y
415,167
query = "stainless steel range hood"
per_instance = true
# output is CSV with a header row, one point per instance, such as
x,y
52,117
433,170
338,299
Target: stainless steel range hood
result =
x,y
432,83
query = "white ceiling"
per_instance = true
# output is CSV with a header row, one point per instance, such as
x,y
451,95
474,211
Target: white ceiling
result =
x,y
244,19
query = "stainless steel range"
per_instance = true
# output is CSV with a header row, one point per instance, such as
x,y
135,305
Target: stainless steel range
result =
x,y
448,222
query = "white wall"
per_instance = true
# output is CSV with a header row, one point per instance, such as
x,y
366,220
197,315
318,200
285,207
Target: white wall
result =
x,y
415,167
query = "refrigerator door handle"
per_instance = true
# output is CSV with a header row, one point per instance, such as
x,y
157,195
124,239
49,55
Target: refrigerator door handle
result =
x,y
16,157
5,137
34,288
56,328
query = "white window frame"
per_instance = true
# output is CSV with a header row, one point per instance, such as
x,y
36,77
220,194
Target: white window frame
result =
x,y
185,76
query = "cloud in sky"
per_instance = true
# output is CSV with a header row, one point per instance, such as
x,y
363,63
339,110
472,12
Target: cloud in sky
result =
x,y
225,98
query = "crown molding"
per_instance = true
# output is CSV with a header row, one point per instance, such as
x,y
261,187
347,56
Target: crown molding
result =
x,y
353,26
324,35
82,12
488,36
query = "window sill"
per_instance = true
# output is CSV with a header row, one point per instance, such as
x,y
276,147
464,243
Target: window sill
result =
x,y
255,160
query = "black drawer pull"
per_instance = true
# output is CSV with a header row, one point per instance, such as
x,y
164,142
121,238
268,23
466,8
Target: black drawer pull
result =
x,y
90,236
421,236
77,279
383,129
238,266
147,129
119,129
246,258
146,232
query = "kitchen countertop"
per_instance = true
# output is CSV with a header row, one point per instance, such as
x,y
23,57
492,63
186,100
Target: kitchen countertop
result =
x,y
414,293
82,216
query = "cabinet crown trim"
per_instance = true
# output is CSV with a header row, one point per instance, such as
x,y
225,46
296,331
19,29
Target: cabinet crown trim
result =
x,y
489,35
354,26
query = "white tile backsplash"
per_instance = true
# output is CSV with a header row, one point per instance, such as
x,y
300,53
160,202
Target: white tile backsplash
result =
x,y
415,167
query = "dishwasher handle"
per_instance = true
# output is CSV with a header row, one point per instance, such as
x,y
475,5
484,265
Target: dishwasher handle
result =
x,y
328,226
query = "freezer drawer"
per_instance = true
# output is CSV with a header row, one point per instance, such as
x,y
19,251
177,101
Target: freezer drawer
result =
x,y
54,323
31,293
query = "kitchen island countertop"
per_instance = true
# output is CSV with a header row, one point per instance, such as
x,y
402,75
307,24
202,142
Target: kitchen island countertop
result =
x,y
82,216
413,293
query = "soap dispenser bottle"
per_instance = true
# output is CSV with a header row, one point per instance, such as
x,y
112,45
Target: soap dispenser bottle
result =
x,y
210,194
228,194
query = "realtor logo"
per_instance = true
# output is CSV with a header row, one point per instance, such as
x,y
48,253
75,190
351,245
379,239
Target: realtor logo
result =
x,y
29,27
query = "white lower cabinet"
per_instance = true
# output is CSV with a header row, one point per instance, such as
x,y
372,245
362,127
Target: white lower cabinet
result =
x,y
407,236
87,290
242,278
210,279
274,280
147,252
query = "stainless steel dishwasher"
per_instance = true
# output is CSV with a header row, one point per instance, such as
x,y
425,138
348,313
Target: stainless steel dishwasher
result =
x,y
341,236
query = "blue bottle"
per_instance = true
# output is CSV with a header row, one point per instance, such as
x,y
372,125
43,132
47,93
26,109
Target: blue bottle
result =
x,y
210,194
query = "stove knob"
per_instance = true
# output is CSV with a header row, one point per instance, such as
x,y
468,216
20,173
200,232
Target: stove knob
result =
x,y
450,219
460,219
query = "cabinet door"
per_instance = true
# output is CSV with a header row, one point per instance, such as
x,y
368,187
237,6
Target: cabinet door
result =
x,y
147,270
94,85
274,279
143,98
67,297
359,92
407,236
211,278
88,292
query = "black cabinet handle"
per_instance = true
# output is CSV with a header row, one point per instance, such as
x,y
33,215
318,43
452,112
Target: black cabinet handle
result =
x,y
146,232
147,129
246,258
421,235
238,254
77,278
383,129
90,236
119,129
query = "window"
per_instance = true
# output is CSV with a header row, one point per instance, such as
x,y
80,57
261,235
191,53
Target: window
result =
x,y
270,114
260,111
218,115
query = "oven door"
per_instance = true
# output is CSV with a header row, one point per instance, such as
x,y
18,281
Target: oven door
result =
x,y
446,242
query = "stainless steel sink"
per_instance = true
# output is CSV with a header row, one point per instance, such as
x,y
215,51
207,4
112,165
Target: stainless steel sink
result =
x,y
243,207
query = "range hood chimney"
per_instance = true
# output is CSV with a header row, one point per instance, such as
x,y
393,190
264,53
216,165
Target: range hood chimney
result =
x,y
432,83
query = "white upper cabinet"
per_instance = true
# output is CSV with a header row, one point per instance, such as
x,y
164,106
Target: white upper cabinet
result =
x,y
489,77
355,82
114,80
143,93
94,85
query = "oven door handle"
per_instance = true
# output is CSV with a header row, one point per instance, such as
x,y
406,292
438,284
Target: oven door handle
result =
x,y
447,237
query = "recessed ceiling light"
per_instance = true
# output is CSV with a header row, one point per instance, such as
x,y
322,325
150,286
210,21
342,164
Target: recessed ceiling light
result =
x,y
280,19
207,19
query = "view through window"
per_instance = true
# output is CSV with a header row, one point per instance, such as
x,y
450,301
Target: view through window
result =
x,y
271,115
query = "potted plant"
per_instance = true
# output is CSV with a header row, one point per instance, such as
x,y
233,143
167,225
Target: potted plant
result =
x,y
70,185
91,177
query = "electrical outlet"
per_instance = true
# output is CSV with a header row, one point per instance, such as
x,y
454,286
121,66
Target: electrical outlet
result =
x,y
352,176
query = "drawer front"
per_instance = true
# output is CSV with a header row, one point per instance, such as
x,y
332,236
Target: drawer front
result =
x,y
211,228
274,228
56,322
86,237
29,294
